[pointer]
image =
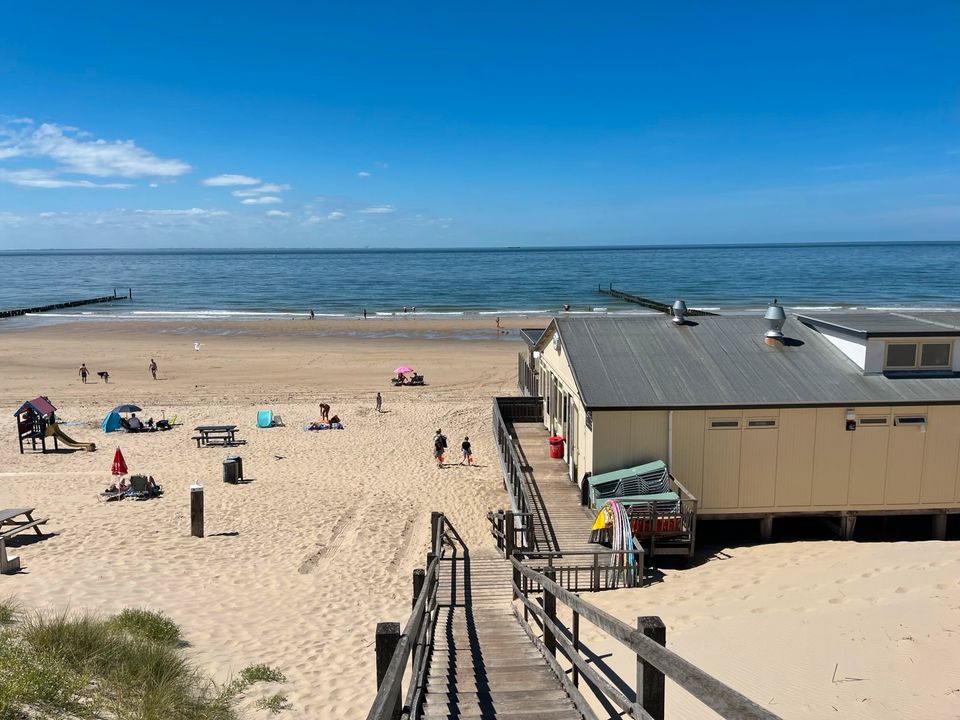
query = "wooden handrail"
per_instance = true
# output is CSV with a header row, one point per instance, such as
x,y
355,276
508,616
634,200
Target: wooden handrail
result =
x,y
719,697
416,637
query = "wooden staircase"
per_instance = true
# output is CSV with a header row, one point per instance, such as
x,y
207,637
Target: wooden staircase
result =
x,y
483,664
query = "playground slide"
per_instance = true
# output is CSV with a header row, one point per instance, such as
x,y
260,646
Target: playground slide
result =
x,y
53,430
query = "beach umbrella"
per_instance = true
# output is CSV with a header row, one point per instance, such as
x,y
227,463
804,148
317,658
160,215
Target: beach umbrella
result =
x,y
403,369
119,464
128,408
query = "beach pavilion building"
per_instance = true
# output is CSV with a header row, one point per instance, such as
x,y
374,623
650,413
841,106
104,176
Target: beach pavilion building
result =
x,y
836,414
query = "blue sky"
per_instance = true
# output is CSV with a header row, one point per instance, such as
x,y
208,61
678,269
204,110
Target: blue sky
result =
x,y
453,124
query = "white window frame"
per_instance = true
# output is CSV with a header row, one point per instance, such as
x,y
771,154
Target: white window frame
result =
x,y
909,420
767,423
724,423
874,421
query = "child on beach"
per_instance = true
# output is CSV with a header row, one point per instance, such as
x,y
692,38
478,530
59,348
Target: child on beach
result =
x,y
467,451
439,446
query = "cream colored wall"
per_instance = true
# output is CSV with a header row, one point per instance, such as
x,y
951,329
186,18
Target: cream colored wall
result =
x,y
555,363
810,461
622,438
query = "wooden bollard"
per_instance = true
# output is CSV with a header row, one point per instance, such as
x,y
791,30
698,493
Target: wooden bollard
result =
x,y
388,636
196,510
650,685
550,610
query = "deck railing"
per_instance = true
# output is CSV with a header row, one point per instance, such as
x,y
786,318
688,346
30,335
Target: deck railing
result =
x,y
511,410
526,377
585,570
647,642
510,531
415,643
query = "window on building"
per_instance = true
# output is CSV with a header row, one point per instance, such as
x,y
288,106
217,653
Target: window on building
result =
x,y
901,355
910,420
918,356
724,424
764,423
878,420
935,355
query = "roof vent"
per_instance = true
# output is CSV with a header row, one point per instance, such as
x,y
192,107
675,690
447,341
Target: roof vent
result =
x,y
679,311
775,317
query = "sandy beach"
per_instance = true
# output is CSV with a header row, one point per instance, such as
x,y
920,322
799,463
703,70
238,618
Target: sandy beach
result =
x,y
300,563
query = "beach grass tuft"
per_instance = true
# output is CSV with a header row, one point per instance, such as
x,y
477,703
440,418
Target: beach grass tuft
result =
x,y
9,608
149,625
130,665
275,703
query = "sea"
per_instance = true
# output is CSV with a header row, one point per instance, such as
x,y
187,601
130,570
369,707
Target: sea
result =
x,y
260,284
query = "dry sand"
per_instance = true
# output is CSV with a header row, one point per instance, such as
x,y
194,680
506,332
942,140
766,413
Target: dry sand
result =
x,y
300,564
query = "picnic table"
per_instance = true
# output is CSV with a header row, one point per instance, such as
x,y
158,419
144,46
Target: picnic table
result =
x,y
223,435
11,518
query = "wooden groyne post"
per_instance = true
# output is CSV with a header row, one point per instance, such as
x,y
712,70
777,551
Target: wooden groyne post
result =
x,y
645,302
64,305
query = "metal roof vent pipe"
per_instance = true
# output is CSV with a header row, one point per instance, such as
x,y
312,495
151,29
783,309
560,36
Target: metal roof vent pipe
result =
x,y
679,312
775,317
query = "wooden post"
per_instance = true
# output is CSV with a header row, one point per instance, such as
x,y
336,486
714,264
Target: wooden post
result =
x,y
435,520
940,526
508,533
576,647
550,610
516,574
650,685
847,525
388,635
766,528
196,510
129,293
418,576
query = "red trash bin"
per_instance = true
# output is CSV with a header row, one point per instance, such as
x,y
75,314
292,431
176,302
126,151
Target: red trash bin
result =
x,y
556,446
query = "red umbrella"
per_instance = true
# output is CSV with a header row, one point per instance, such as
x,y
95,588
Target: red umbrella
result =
x,y
119,464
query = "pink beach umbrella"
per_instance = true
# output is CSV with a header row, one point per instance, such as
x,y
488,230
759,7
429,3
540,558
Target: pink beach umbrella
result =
x,y
403,369
119,464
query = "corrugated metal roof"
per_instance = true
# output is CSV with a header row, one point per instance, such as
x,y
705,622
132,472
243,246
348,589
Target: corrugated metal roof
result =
x,y
888,324
648,362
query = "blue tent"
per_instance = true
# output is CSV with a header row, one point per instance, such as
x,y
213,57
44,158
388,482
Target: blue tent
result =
x,y
111,423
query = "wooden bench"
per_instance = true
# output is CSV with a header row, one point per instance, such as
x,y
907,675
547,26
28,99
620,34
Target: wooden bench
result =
x,y
20,527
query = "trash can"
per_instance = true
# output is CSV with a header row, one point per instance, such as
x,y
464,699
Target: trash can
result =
x,y
556,446
232,469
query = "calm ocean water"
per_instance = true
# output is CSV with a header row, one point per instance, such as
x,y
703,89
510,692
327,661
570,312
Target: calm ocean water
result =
x,y
172,284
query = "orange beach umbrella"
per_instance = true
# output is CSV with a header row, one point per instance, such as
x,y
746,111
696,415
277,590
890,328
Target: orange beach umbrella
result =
x,y
119,464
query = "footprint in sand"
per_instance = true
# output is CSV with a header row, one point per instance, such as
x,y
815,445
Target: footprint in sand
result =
x,y
325,549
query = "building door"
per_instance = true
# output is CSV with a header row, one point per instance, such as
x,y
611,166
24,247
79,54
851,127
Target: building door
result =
x,y
572,428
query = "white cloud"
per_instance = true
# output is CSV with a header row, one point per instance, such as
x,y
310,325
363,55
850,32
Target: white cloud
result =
x,y
154,185
265,200
363,174
313,220
265,188
228,180
73,153
336,215
277,213
378,210
188,212
48,180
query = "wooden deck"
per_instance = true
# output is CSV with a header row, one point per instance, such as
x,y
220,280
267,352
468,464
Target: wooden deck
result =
x,y
560,521
483,664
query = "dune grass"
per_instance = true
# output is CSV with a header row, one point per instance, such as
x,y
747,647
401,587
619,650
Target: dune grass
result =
x,y
126,667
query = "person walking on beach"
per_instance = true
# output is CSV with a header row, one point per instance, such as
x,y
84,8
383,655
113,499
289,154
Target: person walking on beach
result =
x,y
153,368
499,330
324,412
364,313
379,403
467,452
311,315
83,373
439,447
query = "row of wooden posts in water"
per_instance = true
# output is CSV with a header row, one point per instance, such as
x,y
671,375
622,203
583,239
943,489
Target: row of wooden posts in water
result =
x,y
64,305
